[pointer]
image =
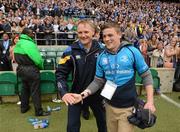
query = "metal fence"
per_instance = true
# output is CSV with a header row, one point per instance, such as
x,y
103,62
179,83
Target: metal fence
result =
x,y
55,38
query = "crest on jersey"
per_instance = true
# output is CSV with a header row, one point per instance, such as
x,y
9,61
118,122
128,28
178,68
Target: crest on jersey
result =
x,y
105,61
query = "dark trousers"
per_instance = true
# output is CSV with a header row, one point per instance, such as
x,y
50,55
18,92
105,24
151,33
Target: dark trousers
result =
x,y
74,112
30,87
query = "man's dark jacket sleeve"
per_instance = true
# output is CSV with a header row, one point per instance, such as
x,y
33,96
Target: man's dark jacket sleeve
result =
x,y
65,66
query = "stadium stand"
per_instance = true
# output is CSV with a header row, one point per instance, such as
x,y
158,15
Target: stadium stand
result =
x,y
156,81
48,82
8,83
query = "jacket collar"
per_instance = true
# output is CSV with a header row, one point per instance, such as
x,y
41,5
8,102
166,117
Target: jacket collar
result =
x,y
24,36
79,46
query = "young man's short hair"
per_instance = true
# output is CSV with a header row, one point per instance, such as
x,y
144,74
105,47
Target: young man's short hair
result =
x,y
111,25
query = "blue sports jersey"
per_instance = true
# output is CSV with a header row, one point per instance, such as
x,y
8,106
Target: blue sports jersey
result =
x,y
120,67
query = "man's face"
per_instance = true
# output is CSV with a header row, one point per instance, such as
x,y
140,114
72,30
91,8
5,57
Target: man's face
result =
x,y
32,34
111,39
85,33
5,37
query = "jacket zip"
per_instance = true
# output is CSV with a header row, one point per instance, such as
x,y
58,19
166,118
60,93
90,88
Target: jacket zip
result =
x,y
74,70
90,54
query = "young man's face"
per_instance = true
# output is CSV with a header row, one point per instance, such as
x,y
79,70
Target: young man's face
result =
x,y
111,38
85,33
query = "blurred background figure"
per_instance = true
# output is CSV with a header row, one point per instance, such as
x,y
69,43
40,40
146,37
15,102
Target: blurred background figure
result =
x,y
5,44
15,39
176,86
170,54
158,55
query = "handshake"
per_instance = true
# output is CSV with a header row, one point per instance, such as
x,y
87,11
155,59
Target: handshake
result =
x,y
73,98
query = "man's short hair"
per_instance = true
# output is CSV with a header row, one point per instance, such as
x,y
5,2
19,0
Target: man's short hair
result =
x,y
111,25
27,31
89,22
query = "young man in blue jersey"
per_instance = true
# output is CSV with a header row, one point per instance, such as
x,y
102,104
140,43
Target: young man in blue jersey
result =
x,y
115,70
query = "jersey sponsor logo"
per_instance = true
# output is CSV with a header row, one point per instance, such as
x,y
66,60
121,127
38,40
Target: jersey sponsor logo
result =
x,y
112,72
64,60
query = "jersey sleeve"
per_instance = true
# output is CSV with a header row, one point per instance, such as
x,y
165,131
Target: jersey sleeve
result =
x,y
140,63
99,69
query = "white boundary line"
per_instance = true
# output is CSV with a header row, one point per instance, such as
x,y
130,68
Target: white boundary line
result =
x,y
170,100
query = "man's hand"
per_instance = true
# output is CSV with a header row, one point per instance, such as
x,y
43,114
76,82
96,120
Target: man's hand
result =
x,y
78,98
150,106
68,98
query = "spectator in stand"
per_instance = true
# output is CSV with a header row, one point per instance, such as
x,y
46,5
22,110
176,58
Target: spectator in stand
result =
x,y
14,27
48,30
158,55
176,85
130,34
1,28
56,25
22,25
6,25
143,48
70,27
170,54
63,28
1,59
5,44
152,45
15,39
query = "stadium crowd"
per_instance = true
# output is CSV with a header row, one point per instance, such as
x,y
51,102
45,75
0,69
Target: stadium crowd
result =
x,y
152,26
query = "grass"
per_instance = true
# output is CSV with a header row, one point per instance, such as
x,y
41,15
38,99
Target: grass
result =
x,y
11,120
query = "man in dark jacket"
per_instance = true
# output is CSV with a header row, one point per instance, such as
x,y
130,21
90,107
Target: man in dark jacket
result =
x,y
29,63
5,61
80,60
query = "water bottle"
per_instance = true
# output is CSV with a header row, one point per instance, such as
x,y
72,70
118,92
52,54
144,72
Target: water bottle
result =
x,y
49,109
40,125
56,108
36,126
45,121
37,122
43,125
31,120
